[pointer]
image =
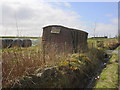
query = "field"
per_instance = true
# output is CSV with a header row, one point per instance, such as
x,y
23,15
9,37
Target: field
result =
x,y
19,62
109,76
104,44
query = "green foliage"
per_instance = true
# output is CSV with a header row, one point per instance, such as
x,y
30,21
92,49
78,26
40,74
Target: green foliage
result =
x,y
19,62
109,76
118,48
72,72
102,43
90,59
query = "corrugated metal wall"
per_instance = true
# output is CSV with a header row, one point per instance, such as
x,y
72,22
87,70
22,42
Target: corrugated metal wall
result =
x,y
67,40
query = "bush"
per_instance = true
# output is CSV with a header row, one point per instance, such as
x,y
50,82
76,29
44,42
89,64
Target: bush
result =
x,y
20,62
74,71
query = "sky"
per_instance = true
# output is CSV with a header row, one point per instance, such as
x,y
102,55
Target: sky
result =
x,y
28,17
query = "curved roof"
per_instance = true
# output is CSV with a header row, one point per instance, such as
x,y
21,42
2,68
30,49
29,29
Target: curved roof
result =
x,y
63,27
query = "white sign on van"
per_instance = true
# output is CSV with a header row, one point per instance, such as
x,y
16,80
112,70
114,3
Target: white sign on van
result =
x,y
55,30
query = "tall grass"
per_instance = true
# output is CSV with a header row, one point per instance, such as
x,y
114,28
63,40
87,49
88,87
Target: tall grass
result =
x,y
77,68
102,43
18,62
109,75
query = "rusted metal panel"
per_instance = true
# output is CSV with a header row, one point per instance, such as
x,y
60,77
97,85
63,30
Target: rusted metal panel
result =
x,y
64,39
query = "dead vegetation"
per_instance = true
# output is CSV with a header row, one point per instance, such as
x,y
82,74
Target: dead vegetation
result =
x,y
19,62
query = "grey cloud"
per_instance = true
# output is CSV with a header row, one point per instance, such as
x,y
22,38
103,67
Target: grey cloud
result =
x,y
25,13
22,12
31,19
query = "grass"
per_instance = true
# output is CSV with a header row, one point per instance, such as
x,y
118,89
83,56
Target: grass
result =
x,y
19,62
78,65
109,76
102,43
118,48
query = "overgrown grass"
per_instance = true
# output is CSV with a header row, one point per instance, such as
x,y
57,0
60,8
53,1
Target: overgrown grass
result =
x,y
102,43
93,57
18,62
118,48
77,68
109,76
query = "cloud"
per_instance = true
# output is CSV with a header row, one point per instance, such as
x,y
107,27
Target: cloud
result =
x,y
114,20
106,29
109,15
61,4
31,19
32,15
67,4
